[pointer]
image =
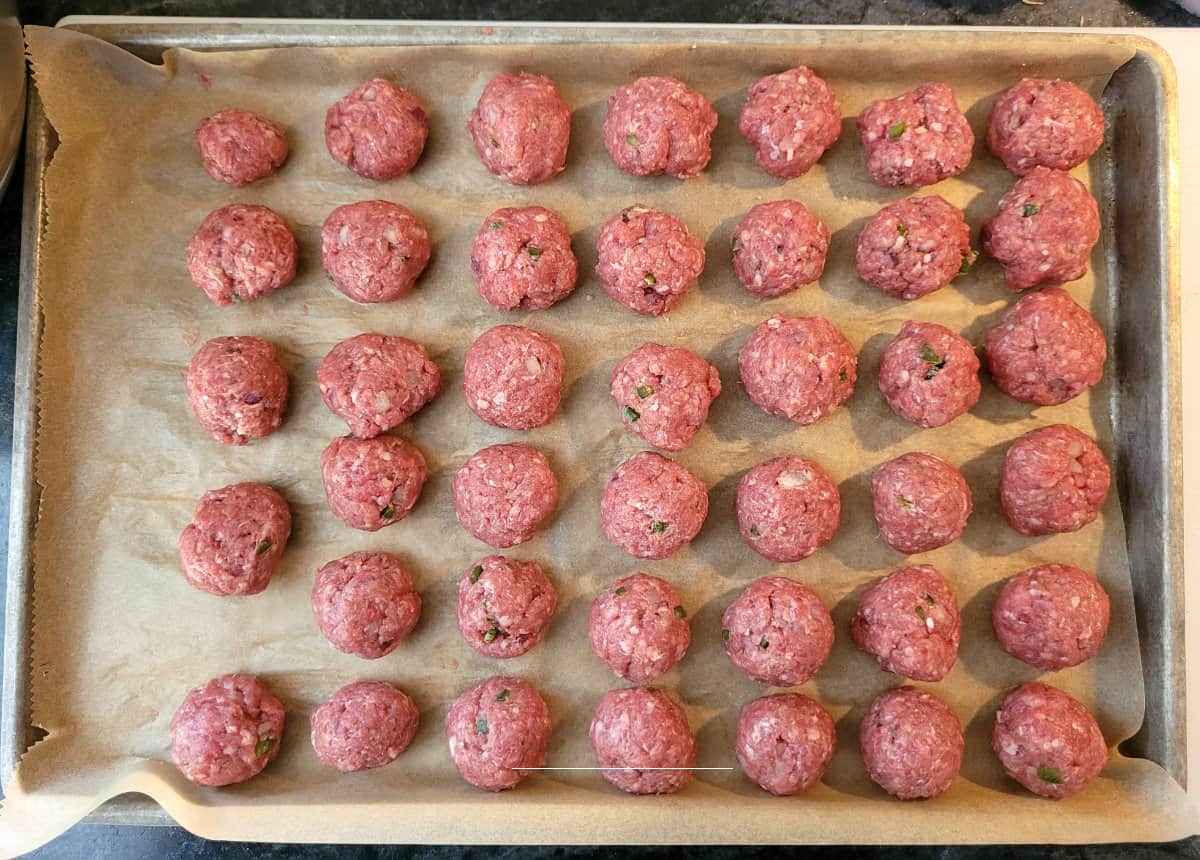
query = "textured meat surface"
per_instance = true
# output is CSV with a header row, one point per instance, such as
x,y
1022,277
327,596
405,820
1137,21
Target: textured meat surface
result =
x,y
503,493
374,250
777,631
648,259
790,119
778,247
1044,123
522,259
240,146
787,508
921,502
798,368
635,734
521,128
237,388
917,138
241,253
363,725
365,603
659,125
1054,480
495,729
909,622
639,628
914,247
226,731
652,506
504,606
784,742
513,376
1051,616
235,539
372,483
663,394
911,743
378,130
1047,741
374,382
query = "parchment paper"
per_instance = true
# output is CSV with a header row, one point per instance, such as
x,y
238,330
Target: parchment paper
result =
x,y
119,636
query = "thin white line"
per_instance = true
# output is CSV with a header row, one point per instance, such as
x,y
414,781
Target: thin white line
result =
x,y
622,768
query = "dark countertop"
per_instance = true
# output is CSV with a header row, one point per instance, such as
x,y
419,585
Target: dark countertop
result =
x,y
173,843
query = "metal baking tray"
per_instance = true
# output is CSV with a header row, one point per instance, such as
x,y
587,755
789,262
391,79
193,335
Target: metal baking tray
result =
x,y
1141,220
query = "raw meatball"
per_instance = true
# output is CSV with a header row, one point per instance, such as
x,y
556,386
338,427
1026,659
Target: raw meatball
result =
x,y
235,539
237,388
372,483
778,247
914,247
921,502
648,259
363,725
495,730
1044,123
504,606
928,374
787,508
240,146
659,125
226,731
664,393
241,253
918,138
378,130
790,119
1046,350
374,382
777,631
521,128
1044,230
911,743
522,259
798,368
652,506
1055,479
639,628
1047,741
642,739
374,250
503,493
513,376
785,742
1051,616
365,603
909,622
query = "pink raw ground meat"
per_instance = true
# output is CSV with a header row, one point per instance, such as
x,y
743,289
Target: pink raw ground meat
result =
x,y
784,742
241,253
642,739
226,731
1044,123
378,130
639,628
777,631
235,539
918,138
921,502
779,247
513,376
914,247
1051,616
521,128
374,250
648,259
928,374
911,743
237,388
1054,480
659,125
240,146
495,729
652,506
372,483
790,119
909,622
365,603
504,606
798,368
375,382
787,508
522,259
363,725
664,394
503,493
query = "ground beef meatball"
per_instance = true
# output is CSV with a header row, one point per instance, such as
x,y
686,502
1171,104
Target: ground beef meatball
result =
x,y
918,138
374,250
921,502
639,628
1044,230
659,125
513,376
664,393
235,539
240,147
363,725
522,259
643,742
504,606
787,508
1046,350
785,742
911,743
790,119
798,368
928,374
521,128
777,631
503,493
375,382
652,506
778,247
372,483
1055,479
377,130
365,603
237,388
648,259
1044,123
1051,616
909,622
496,730
241,253
226,731
914,247
1047,741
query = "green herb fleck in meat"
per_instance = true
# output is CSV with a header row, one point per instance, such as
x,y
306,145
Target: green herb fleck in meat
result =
x,y
625,216
724,635
968,261
620,590
632,140
388,512
650,279
896,129
263,546
495,143
763,643
901,229
658,527
935,361
503,697
1051,775
1029,210
495,225
842,375
679,612
491,635
481,725
476,572
920,610
534,251
929,599
904,503
631,414
644,391
263,747
754,532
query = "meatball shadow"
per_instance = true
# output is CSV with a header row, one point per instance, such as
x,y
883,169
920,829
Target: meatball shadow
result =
x,y
984,284
851,676
857,543
720,543
733,412
987,530
717,282
846,773
845,169
840,278
875,426
980,654
725,690
733,163
715,748
980,766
